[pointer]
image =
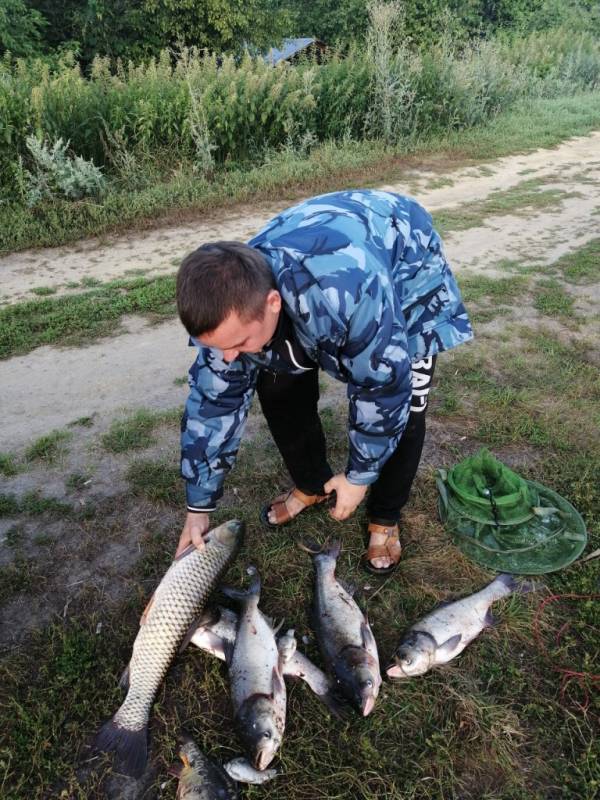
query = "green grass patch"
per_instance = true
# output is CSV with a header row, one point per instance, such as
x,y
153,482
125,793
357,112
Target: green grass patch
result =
x,y
21,575
157,480
529,125
48,448
31,503
135,432
525,198
69,320
76,481
42,291
582,265
552,299
479,287
8,465
83,422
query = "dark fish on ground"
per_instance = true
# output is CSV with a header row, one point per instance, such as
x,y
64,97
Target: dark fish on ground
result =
x,y
256,675
201,778
445,632
343,632
217,630
175,605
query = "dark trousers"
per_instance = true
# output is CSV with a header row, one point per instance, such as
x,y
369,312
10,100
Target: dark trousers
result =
x,y
289,403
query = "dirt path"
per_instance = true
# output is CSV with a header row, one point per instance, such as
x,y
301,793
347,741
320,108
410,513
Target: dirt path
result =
x,y
139,367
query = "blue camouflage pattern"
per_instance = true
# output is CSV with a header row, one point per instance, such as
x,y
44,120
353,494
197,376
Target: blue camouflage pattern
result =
x,y
363,277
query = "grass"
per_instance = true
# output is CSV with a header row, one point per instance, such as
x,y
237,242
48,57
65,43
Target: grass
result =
x,y
552,299
8,465
526,198
135,432
538,123
48,448
31,503
68,320
582,265
42,291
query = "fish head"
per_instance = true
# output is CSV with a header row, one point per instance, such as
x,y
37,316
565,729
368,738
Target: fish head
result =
x,y
229,534
415,655
261,730
358,678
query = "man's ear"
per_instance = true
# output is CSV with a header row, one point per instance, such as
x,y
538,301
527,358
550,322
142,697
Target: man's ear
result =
x,y
274,301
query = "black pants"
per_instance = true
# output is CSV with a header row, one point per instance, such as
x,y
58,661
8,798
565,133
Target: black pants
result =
x,y
289,403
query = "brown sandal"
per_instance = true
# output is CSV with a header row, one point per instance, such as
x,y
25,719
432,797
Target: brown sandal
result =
x,y
391,548
282,515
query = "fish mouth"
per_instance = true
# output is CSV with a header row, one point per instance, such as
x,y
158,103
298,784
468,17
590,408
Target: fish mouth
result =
x,y
229,532
262,760
367,705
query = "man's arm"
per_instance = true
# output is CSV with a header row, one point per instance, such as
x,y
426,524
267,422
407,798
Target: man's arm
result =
x,y
211,431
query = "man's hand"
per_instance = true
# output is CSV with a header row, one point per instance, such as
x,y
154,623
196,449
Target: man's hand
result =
x,y
195,527
348,496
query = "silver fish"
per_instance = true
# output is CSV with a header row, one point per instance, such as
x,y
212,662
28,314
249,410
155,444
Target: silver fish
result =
x,y
343,632
241,770
175,605
217,630
257,687
287,645
201,778
445,632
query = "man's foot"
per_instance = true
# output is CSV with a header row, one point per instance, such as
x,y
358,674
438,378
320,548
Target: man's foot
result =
x,y
288,505
384,549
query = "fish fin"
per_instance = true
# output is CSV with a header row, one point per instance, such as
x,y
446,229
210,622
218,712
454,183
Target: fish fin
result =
x,y
277,684
310,546
130,746
348,586
201,622
450,644
228,648
489,620
522,587
146,611
367,636
278,627
124,679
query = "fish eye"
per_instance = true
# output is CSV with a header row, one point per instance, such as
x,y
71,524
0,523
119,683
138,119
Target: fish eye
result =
x,y
407,660
267,735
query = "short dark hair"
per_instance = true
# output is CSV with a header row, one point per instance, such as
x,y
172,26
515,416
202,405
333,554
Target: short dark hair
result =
x,y
218,278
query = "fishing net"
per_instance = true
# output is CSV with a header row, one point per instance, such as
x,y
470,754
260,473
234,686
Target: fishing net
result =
x,y
505,522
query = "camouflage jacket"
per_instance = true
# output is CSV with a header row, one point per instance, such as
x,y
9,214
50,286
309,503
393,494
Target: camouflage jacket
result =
x,y
364,280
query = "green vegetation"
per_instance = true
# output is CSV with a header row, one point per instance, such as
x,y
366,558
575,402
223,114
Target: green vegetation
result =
x,y
31,503
552,299
84,316
525,198
42,291
8,465
48,448
76,481
84,422
477,287
136,431
159,481
582,265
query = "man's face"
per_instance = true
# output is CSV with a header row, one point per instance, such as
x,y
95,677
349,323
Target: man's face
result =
x,y
234,336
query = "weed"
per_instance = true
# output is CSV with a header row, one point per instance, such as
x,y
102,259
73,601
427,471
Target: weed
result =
x,y
552,299
181,381
135,432
22,575
76,481
42,291
48,448
8,465
84,422
9,505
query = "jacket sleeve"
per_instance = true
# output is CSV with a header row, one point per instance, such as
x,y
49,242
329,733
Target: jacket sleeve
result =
x,y
212,424
375,357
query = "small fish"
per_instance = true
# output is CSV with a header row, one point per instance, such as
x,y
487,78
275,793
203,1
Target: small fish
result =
x,y
343,633
257,687
216,631
174,607
201,778
241,770
445,632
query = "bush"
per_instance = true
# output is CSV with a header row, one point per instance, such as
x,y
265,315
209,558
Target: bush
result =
x,y
57,174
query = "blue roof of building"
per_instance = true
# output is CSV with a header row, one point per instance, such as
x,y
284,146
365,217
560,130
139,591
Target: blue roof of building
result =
x,y
289,48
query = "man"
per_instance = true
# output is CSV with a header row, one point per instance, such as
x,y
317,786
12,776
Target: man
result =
x,y
354,283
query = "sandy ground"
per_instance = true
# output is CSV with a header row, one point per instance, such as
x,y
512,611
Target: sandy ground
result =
x,y
52,386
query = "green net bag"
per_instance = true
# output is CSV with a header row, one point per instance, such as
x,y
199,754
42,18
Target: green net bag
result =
x,y
505,522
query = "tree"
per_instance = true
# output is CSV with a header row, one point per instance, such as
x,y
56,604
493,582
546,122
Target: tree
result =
x,y
20,28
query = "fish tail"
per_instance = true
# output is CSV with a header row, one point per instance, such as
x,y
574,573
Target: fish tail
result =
x,y
130,746
513,585
244,594
330,549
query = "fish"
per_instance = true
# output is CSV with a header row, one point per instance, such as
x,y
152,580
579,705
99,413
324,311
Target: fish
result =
x,y
241,770
172,610
343,633
444,633
217,630
258,690
201,778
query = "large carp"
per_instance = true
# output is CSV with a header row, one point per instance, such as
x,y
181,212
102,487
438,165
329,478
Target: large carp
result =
x,y
258,691
175,605
343,632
